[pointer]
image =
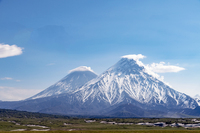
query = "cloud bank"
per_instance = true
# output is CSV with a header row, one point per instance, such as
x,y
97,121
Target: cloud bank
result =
x,y
7,50
15,94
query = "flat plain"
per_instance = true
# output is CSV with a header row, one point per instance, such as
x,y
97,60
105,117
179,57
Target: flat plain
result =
x,y
21,121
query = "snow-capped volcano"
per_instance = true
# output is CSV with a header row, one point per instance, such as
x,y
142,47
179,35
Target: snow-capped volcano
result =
x,y
129,81
126,89
76,78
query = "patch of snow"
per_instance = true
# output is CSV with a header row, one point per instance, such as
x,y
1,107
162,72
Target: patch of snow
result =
x,y
89,121
197,99
65,124
37,126
40,130
19,130
197,96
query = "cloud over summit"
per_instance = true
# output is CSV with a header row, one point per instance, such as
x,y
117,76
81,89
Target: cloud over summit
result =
x,y
134,56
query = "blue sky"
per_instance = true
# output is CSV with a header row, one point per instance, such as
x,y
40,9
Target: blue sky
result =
x,y
52,37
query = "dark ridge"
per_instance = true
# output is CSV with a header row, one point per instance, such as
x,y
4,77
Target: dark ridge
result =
x,y
25,114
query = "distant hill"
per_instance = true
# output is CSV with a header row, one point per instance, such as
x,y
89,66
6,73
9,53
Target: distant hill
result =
x,y
25,114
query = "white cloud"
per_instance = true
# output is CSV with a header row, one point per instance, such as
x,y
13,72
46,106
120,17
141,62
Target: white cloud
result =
x,y
7,50
161,67
81,68
134,56
6,78
164,68
15,94
9,78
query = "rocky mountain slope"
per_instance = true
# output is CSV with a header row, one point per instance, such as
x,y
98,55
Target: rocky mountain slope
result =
x,y
197,99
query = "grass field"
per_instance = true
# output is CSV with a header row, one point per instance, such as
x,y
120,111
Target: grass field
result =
x,y
79,125
30,122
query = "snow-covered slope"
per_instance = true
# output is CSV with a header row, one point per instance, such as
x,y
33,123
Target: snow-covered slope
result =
x,y
76,78
129,81
197,99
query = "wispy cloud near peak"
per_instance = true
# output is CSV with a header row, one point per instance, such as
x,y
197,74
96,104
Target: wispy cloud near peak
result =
x,y
134,56
164,68
81,68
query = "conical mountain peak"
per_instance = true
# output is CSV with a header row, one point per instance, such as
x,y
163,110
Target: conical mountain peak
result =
x,y
133,64
75,79
127,66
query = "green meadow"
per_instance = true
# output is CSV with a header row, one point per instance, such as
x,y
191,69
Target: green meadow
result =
x,y
21,121
79,125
